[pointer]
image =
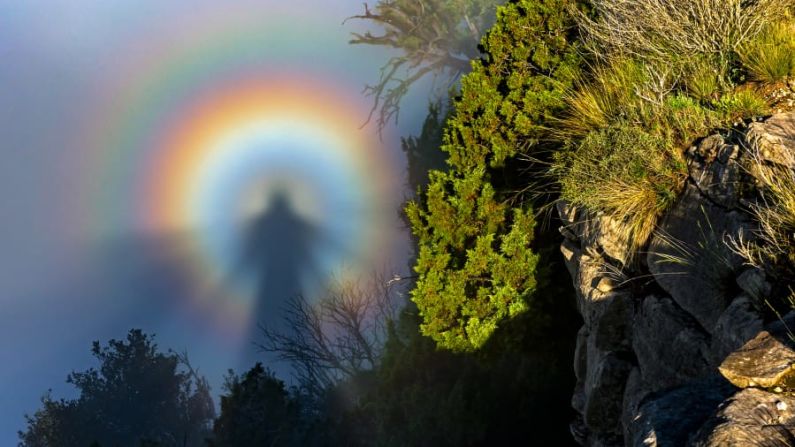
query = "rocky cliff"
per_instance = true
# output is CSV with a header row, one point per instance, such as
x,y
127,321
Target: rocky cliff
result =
x,y
678,346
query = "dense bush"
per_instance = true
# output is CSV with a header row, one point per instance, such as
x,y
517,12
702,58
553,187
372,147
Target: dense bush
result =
x,y
475,265
257,409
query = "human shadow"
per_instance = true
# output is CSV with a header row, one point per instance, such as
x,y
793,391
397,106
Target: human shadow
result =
x,y
278,249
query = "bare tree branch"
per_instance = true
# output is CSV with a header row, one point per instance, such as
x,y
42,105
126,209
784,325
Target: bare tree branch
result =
x,y
340,336
436,37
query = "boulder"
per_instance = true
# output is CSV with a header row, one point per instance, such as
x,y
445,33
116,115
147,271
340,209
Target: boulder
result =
x,y
774,139
647,358
688,255
634,394
767,360
689,259
754,282
604,387
668,418
751,417
597,231
738,324
612,330
581,353
715,171
670,346
587,271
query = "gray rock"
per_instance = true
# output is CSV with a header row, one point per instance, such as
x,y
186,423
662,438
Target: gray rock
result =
x,y
581,353
738,324
774,139
688,255
707,150
587,270
605,390
579,431
599,232
579,398
646,366
751,417
634,394
767,360
754,283
715,171
670,346
612,330
668,418
571,257
689,259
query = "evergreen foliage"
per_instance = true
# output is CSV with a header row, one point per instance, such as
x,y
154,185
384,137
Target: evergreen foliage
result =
x,y
423,152
476,265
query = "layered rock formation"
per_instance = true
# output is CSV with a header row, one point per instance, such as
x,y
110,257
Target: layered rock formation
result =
x,y
676,348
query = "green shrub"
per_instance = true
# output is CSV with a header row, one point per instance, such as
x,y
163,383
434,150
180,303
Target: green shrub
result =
x,y
631,175
475,266
740,105
770,57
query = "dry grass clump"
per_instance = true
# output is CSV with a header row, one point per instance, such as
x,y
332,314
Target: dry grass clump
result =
x,y
629,174
775,212
610,93
662,73
772,248
676,30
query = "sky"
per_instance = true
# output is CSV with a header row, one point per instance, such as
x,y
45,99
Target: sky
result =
x,y
146,142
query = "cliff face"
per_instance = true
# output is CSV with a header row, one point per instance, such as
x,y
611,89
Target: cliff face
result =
x,y
675,348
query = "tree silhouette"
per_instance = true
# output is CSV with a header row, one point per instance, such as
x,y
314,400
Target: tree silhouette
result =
x,y
138,396
257,410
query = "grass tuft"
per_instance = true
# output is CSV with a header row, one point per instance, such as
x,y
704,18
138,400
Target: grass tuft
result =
x,y
704,79
629,174
672,31
770,56
741,105
598,102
